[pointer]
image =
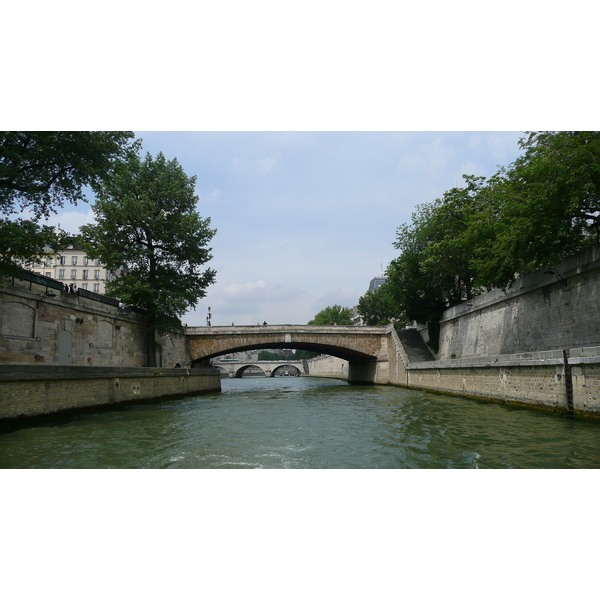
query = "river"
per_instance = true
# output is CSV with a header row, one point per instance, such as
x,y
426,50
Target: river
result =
x,y
307,423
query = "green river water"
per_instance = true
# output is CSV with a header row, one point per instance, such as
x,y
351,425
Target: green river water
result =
x,y
307,423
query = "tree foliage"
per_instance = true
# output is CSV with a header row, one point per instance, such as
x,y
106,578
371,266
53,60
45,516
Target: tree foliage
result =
x,y
542,208
531,214
378,307
332,315
148,231
435,267
39,172
305,354
272,355
24,242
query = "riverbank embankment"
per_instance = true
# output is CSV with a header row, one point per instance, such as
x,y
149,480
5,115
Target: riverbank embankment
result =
x,y
535,344
35,392
63,352
565,382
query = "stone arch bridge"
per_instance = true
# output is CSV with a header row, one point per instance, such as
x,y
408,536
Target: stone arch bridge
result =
x,y
270,368
365,348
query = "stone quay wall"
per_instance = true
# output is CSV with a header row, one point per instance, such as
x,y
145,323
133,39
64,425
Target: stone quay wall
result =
x,y
538,380
36,392
65,352
543,311
509,345
43,325
328,366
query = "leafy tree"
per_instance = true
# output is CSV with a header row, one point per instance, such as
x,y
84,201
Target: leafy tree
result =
x,y
378,307
435,269
24,242
542,208
305,354
272,355
537,211
335,314
416,294
435,255
147,229
39,172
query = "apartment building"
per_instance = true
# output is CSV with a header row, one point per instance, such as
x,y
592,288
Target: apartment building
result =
x,y
72,266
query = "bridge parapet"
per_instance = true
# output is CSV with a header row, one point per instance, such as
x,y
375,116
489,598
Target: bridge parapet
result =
x,y
251,329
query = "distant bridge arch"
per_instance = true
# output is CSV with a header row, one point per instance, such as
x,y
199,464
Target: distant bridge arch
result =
x,y
236,369
292,368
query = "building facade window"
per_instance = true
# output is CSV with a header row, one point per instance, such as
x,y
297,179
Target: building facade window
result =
x,y
97,288
62,260
61,273
48,274
97,274
73,260
84,286
86,260
73,273
85,274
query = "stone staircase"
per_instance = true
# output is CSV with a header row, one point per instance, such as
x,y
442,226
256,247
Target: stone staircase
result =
x,y
415,348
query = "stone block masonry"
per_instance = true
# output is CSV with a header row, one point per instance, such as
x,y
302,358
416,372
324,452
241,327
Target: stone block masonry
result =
x,y
48,391
329,367
62,329
551,310
64,352
537,380
507,345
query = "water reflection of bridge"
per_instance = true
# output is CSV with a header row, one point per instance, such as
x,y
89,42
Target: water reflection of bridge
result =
x,y
270,368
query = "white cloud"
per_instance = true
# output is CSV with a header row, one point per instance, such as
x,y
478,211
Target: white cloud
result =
x,y
243,291
261,166
337,295
210,197
264,165
258,292
428,158
68,220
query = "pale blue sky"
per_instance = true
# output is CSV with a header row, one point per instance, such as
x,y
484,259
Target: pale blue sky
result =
x,y
306,219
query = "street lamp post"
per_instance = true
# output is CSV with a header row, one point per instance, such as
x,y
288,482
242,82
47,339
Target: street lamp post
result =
x,y
208,317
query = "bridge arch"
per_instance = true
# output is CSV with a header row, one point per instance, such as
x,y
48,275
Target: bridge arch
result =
x,y
269,368
359,344
239,373
365,348
292,370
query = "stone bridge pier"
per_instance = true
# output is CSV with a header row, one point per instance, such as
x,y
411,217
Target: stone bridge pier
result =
x,y
365,348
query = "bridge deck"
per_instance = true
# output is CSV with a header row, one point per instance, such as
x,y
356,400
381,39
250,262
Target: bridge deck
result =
x,y
355,344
